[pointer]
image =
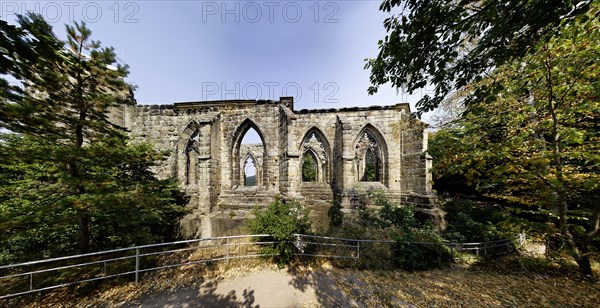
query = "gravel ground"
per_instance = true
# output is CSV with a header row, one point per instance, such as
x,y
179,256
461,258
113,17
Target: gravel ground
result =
x,y
509,282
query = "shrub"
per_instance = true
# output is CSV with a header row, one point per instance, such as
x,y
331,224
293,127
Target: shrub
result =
x,y
405,254
387,221
335,214
374,256
398,216
281,219
388,214
410,256
468,222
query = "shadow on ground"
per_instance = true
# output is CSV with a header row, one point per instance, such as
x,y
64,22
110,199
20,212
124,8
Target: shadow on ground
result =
x,y
203,296
327,292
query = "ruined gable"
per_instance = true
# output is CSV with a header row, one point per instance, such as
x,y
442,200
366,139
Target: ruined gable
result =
x,y
351,151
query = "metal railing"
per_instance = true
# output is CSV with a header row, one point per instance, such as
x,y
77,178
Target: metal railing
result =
x,y
35,276
484,249
345,248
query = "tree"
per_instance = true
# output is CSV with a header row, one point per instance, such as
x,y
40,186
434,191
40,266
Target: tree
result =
x,y
127,205
64,162
26,51
534,138
451,44
281,219
309,168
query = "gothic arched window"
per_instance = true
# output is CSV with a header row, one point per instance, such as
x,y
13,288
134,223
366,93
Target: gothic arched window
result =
x,y
369,158
314,164
250,171
248,157
372,167
309,167
191,153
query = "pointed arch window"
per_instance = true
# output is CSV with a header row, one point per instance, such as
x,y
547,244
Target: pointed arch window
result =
x,y
309,167
314,164
248,156
369,158
250,171
372,167
191,153
190,148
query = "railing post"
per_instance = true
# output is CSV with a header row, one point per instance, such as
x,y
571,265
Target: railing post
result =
x,y
31,282
521,239
137,264
227,251
485,249
357,250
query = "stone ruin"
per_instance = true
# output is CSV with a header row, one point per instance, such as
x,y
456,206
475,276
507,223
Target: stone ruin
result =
x,y
314,156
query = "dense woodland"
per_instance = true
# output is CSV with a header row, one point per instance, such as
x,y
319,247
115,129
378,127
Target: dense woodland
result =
x,y
517,87
70,181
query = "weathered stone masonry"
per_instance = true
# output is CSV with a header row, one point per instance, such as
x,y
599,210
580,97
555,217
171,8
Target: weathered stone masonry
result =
x,y
355,152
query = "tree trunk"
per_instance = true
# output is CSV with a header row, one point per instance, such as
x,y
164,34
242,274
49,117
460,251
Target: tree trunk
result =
x,y
83,231
579,253
582,259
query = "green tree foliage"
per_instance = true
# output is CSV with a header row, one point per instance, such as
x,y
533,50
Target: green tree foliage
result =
x,y
411,256
281,219
250,180
534,137
401,221
309,169
450,44
26,51
371,166
70,180
391,214
335,214
127,204
471,222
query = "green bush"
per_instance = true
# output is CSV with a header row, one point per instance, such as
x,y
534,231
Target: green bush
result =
x,y
389,221
387,214
410,256
281,219
468,222
400,222
368,216
373,256
335,214
402,217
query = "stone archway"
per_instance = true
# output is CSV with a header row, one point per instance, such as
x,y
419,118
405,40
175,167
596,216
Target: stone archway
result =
x,y
236,159
187,154
207,157
255,160
371,156
309,167
314,143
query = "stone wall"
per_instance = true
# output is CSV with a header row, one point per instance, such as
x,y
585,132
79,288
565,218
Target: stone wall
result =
x,y
355,151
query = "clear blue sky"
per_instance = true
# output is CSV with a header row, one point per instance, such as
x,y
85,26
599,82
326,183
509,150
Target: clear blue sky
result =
x,y
210,50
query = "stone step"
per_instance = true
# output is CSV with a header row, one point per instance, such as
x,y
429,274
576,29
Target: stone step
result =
x,y
322,192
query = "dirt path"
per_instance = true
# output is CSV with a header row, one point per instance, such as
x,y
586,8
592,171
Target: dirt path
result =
x,y
506,282
261,288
